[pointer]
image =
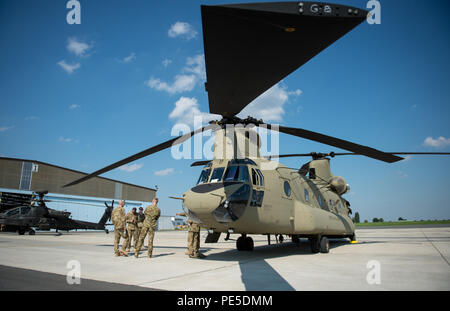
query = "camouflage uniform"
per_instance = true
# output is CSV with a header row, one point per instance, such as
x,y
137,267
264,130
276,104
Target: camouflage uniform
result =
x,y
132,231
193,239
152,213
193,246
140,224
118,220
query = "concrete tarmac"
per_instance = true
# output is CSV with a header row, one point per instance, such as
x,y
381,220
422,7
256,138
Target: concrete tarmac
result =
x,y
384,259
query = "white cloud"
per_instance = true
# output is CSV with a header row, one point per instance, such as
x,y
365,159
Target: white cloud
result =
x,y
269,105
439,142
297,92
5,128
166,62
74,106
165,172
196,65
192,73
186,109
182,29
67,140
68,67
182,83
130,168
130,58
77,47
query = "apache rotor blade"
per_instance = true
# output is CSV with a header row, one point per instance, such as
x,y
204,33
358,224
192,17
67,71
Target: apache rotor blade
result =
x,y
149,151
250,47
339,143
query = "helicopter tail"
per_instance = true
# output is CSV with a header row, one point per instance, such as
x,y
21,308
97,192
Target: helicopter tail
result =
x,y
107,214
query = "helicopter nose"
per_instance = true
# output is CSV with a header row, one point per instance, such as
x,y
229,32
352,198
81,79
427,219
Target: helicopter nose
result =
x,y
211,202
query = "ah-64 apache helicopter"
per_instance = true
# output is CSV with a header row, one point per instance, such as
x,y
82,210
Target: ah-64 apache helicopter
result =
x,y
248,49
25,217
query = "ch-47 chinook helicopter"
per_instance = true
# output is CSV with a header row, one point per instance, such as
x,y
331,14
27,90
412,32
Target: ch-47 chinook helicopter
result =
x,y
248,49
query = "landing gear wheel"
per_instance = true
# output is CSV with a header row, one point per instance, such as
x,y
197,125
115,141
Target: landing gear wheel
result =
x,y
240,243
352,238
249,244
324,245
296,239
244,243
281,238
315,244
21,231
31,232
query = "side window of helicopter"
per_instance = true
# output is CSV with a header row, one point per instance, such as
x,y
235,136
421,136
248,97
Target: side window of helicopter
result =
x,y
25,210
204,175
13,212
261,178
255,177
339,207
320,200
217,174
287,188
306,195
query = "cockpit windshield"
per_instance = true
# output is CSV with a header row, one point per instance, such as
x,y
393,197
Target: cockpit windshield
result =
x,y
237,173
217,174
204,176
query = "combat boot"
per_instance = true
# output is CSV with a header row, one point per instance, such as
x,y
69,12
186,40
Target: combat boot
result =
x,y
124,253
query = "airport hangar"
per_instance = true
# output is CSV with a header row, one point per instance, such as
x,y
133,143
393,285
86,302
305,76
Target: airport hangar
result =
x,y
26,176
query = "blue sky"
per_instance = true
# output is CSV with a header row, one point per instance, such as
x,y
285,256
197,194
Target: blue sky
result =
x,y
84,96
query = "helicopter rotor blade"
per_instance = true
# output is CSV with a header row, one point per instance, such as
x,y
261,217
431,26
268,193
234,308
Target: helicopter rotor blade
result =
x,y
200,163
146,152
339,143
333,154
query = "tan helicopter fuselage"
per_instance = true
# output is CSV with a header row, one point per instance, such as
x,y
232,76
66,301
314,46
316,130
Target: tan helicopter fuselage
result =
x,y
259,196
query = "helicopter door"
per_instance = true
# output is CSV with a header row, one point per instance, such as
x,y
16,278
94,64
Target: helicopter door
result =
x,y
258,188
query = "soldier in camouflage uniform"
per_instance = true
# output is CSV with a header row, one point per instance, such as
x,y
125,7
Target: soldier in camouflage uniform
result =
x,y
193,248
118,220
132,231
140,223
152,213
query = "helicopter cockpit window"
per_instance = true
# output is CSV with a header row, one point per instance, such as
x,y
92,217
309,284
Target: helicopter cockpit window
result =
x,y
25,210
320,200
255,177
237,173
13,212
204,175
306,195
217,174
287,188
261,178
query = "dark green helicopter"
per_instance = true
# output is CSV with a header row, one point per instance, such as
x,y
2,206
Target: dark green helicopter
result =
x,y
24,218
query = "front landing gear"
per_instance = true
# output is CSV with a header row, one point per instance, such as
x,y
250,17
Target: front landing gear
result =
x,y
244,243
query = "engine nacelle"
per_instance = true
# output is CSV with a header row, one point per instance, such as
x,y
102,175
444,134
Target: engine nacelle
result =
x,y
339,185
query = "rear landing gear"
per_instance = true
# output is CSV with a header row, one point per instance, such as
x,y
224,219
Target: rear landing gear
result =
x,y
244,243
319,244
31,232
